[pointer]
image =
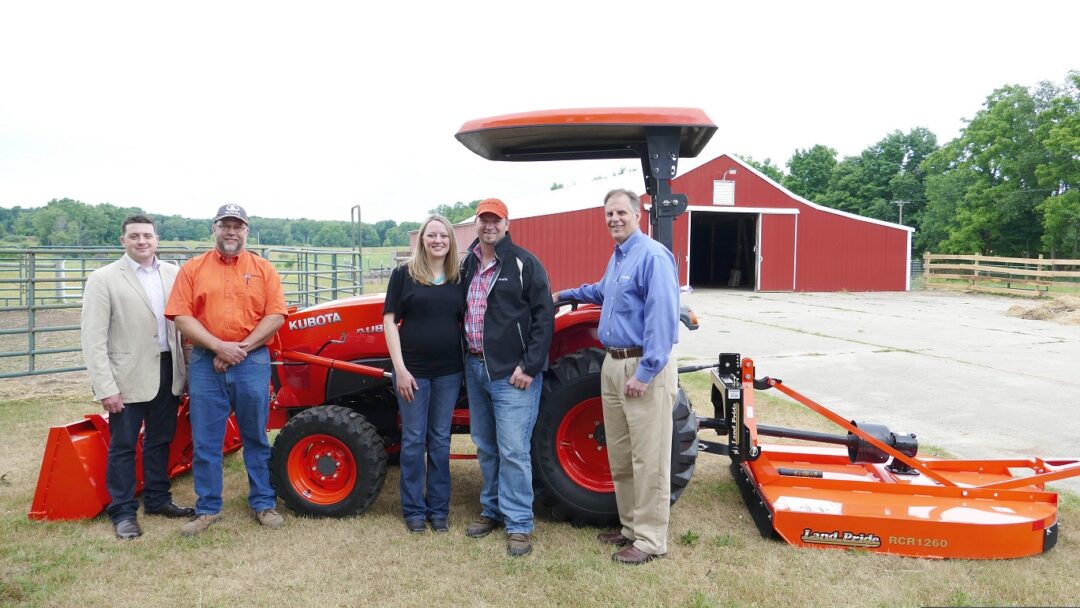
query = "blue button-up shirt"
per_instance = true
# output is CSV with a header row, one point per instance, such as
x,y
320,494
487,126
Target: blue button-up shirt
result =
x,y
639,295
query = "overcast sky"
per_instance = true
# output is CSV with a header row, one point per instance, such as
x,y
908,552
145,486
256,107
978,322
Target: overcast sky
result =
x,y
304,109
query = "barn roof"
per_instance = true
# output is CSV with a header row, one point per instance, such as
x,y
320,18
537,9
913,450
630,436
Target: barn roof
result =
x,y
591,194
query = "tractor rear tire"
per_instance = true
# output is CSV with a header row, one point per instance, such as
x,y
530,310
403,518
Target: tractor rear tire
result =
x,y
328,461
571,474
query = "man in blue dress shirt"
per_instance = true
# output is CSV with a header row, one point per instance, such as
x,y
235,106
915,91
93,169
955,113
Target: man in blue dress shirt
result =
x,y
639,296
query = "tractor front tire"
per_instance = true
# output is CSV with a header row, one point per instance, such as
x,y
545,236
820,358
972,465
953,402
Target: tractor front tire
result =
x,y
571,474
328,461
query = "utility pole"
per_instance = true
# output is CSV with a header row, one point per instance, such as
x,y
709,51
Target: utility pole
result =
x,y
901,204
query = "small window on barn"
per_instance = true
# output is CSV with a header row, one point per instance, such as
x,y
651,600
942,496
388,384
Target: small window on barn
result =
x,y
723,192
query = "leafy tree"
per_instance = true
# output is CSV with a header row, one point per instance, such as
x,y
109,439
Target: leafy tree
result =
x,y
177,228
457,212
398,236
557,186
382,227
72,223
304,231
1059,132
810,170
995,160
767,167
332,234
369,237
9,218
888,171
274,231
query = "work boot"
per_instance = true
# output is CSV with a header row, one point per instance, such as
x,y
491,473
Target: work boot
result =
x,y
270,518
127,529
199,524
481,527
518,544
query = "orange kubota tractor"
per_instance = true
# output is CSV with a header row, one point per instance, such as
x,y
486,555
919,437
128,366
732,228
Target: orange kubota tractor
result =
x,y
332,400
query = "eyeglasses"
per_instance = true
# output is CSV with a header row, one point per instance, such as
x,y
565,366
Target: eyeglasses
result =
x,y
230,227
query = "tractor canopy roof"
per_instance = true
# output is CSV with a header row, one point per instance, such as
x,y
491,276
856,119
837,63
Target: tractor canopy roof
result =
x,y
588,133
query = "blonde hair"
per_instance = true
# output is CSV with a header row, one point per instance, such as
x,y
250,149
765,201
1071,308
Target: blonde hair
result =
x,y
418,263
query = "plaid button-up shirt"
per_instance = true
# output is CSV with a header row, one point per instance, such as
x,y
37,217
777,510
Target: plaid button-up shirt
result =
x,y
476,302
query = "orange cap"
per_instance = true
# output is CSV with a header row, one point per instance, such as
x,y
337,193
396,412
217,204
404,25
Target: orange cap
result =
x,y
492,205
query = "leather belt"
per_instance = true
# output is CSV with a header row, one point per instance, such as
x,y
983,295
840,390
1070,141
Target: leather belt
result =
x,y
625,353
479,355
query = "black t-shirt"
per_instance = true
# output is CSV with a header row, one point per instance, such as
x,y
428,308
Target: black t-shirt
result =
x,y
430,323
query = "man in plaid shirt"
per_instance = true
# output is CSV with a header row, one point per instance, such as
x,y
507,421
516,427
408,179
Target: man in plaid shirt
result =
x,y
509,319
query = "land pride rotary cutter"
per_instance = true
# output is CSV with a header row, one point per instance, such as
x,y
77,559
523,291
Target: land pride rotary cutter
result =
x,y
866,488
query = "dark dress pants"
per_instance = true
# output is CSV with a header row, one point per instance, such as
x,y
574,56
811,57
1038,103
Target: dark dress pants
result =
x,y
159,416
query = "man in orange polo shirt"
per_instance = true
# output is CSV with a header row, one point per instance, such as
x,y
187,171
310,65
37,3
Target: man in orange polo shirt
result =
x,y
228,303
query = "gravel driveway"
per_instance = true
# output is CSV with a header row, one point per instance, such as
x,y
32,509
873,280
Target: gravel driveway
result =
x,y
951,368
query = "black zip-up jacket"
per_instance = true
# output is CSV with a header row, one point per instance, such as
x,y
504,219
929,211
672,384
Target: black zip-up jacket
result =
x,y
520,316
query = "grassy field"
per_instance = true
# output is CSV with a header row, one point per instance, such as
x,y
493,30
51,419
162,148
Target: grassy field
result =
x,y
716,557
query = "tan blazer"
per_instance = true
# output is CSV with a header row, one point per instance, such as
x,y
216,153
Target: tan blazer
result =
x,y
119,334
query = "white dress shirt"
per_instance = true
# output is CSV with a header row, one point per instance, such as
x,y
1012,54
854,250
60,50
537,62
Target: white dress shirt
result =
x,y
151,282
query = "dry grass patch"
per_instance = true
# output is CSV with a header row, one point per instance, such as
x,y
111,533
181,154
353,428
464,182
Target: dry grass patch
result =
x,y
1062,309
716,557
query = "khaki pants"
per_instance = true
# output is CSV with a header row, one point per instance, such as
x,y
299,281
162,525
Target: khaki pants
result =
x,y
639,450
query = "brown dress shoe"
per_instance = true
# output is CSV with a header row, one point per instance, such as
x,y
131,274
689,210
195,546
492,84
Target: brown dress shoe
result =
x,y
633,556
614,538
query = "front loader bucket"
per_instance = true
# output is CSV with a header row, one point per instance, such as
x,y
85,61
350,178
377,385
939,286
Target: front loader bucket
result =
x,y
71,484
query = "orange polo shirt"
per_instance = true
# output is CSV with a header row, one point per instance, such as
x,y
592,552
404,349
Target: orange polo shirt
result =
x,y
229,296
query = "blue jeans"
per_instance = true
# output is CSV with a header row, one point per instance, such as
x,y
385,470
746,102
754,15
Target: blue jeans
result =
x,y
425,425
501,418
244,389
159,416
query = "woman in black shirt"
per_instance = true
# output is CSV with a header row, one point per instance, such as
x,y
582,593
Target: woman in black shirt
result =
x,y
425,297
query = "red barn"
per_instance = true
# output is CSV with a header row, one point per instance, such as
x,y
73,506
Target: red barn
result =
x,y
741,230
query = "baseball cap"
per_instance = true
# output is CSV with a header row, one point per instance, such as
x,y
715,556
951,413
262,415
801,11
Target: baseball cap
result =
x,y
492,205
230,210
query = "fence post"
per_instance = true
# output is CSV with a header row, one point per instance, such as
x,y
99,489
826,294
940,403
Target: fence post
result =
x,y
31,302
1038,277
333,275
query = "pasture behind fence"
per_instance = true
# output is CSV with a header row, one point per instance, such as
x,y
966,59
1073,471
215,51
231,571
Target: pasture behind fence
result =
x,y
41,295
1031,277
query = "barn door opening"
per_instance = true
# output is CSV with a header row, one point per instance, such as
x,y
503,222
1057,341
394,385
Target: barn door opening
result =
x,y
723,250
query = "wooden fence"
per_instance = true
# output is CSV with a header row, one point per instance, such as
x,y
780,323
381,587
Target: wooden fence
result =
x,y
1032,277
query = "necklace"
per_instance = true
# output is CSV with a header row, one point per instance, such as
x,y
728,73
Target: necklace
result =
x,y
439,280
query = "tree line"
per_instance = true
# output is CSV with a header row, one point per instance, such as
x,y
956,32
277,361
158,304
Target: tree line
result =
x,y
71,223
1007,185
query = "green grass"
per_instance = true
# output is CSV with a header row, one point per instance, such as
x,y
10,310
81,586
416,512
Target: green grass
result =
x,y
715,558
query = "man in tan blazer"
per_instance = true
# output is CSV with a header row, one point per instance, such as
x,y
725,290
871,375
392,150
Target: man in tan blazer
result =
x,y
137,371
